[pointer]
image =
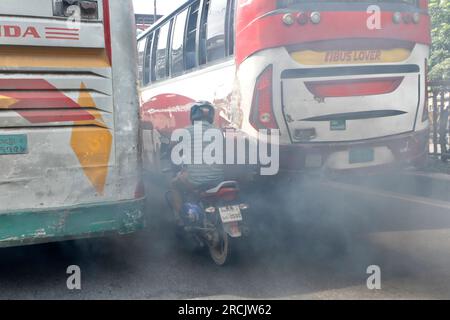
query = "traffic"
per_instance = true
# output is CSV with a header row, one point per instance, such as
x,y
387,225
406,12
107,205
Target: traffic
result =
x,y
246,131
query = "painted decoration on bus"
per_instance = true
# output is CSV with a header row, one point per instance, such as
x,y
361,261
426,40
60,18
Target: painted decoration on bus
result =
x,y
310,57
167,112
92,146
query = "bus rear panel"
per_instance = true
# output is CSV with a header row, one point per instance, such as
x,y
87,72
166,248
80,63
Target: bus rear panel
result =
x,y
68,126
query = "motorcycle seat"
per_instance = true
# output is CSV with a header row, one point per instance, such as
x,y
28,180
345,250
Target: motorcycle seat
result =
x,y
225,184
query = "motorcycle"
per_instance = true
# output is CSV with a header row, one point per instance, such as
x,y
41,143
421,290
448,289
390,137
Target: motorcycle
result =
x,y
214,219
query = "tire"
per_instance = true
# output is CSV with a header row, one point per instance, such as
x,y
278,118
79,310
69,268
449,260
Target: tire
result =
x,y
221,253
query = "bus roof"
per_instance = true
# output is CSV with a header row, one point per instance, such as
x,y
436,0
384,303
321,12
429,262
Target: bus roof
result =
x,y
165,18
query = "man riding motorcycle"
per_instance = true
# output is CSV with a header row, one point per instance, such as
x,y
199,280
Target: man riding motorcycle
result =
x,y
196,177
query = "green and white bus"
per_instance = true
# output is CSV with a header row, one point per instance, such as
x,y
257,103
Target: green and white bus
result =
x,y
69,121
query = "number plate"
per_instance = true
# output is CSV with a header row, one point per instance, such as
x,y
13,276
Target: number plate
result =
x,y
361,155
13,144
338,125
230,214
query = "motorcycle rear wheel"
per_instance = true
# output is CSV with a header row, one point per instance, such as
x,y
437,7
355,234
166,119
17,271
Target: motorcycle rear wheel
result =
x,y
220,251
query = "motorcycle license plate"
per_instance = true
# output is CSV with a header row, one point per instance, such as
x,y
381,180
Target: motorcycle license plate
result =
x,y
230,214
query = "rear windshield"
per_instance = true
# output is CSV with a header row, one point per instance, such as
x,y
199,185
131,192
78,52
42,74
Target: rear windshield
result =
x,y
288,3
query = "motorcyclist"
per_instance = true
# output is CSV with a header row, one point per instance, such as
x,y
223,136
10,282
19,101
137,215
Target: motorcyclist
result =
x,y
196,177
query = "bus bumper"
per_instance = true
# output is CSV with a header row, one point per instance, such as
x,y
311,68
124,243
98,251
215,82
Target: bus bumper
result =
x,y
60,224
404,149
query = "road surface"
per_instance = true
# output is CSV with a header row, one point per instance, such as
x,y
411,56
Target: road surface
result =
x,y
311,240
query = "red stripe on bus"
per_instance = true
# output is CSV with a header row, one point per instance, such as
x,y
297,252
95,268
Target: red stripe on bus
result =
x,y
62,29
27,96
62,38
25,84
63,34
39,99
48,116
107,27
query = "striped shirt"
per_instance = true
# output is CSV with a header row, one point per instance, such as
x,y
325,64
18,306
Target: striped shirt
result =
x,y
203,175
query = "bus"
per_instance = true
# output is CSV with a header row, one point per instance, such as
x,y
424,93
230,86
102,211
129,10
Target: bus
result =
x,y
343,81
69,121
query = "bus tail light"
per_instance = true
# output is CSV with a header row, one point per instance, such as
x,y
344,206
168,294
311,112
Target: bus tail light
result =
x,y
354,87
261,115
288,19
315,17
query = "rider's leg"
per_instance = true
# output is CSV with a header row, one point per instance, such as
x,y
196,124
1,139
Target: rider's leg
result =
x,y
179,185
177,198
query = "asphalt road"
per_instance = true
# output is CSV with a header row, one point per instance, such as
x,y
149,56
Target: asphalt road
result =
x,y
310,240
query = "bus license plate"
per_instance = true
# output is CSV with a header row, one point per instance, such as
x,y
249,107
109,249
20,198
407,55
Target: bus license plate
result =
x,y
13,144
361,155
230,214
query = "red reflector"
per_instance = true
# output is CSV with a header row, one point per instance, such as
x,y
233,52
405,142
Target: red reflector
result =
x,y
357,87
261,116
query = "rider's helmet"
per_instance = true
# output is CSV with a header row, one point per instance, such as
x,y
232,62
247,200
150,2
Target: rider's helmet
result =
x,y
202,111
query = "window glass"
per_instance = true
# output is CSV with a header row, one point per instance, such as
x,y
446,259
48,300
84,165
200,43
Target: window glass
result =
x,y
141,51
178,44
190,56
161,52
203,31
148,60
231,28
215,39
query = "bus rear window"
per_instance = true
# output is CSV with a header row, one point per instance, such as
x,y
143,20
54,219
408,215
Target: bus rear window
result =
x,y
288,3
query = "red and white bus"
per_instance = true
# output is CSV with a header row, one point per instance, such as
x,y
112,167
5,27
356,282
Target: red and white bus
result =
x,y
343,81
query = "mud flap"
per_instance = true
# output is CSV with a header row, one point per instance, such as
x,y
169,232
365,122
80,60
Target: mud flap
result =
x,y
233,229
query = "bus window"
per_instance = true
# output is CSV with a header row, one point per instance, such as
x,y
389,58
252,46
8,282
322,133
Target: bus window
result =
x,y
231,27
161,53
190,58
141,50
203,30
147,60
215,36
178,44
